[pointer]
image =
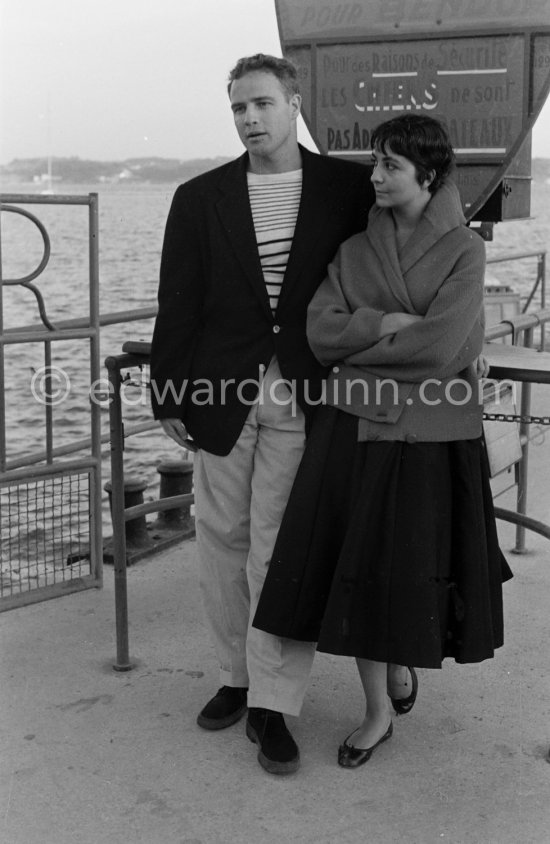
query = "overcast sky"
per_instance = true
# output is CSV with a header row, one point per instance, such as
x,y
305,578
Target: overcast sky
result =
x,y
116,79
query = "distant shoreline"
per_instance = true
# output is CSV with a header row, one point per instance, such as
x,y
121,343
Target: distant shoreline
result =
x,y
136,170
130,171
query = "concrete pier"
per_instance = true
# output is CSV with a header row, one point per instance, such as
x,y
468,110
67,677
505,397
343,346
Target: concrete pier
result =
x,y
96,757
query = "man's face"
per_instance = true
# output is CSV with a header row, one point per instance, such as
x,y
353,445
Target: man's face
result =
x,y
264,117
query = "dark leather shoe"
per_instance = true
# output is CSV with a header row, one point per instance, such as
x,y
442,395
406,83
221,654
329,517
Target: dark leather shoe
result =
x,y
278,753
226,707
351,757
405,704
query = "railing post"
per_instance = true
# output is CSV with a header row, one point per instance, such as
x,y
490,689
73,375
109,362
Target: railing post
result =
x,y
117,502
523,465
542,270
3,455
95,411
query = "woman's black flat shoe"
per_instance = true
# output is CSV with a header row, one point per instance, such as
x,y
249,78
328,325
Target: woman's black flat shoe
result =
x,y
351,757
405,704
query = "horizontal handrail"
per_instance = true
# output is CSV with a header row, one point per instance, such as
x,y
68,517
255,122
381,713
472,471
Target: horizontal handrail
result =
x,y
516,256
37,199
19,336
112,318
7,478
78,445
522,322
523,521
169,503
540,280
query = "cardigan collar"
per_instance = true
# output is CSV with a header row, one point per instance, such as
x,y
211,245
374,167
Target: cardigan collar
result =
x,y
442,214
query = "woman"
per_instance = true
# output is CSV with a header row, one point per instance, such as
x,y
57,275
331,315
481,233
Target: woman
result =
x,y
388,551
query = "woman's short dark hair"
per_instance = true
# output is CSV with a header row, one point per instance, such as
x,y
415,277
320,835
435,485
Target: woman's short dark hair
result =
x,y
283,69
421,139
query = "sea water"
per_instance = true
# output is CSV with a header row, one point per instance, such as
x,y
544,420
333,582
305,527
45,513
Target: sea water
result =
x,y
131,227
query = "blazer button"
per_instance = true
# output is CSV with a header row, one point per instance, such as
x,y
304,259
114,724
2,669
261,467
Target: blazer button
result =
x,y
276,329
411,438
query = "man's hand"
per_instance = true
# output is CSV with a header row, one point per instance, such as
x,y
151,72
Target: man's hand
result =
x,y
177,431
482,366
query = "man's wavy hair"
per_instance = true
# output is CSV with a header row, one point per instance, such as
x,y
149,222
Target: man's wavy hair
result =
x,y
283,69
421,139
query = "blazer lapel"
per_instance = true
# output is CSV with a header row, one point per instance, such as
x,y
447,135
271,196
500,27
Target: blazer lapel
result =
x,y
314,216
236,218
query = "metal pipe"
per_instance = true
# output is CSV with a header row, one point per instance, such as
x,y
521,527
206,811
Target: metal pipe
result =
x,y
10,338
41,266
522,467
158,506
77,445
37,199
2,368
519,323
540,280
117,502
96,527
65,468
48,404
516,256
111,318
525,521
135,524
542,261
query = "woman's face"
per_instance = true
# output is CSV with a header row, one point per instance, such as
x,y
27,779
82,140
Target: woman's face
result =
x,y
395,182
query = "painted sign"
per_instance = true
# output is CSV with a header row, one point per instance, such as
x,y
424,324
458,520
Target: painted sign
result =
x,y
475,85
480,66
299,19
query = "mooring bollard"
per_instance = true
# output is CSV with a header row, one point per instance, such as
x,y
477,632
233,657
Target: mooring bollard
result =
x,y
137,535
176,478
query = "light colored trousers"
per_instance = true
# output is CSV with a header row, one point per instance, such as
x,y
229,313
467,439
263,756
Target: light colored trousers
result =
x,y
239,503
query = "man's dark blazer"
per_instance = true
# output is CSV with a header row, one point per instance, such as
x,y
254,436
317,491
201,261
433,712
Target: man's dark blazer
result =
x,y
215,323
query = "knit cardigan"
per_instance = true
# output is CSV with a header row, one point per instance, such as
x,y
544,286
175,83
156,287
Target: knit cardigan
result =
x,y
418,384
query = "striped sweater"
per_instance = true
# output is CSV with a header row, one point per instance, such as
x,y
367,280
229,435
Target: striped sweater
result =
x,y
274,202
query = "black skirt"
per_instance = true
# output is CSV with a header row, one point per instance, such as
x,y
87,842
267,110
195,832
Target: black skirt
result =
x,y
388,550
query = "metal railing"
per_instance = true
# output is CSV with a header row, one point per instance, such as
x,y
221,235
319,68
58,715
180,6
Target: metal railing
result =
x,y
113,318
23,468
523,325
539,284
120,515
142,314
58,499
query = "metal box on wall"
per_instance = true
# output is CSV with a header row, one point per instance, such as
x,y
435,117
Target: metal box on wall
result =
x,y
511,199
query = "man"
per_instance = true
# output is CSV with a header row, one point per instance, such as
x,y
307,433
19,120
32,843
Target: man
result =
x,y
246,246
